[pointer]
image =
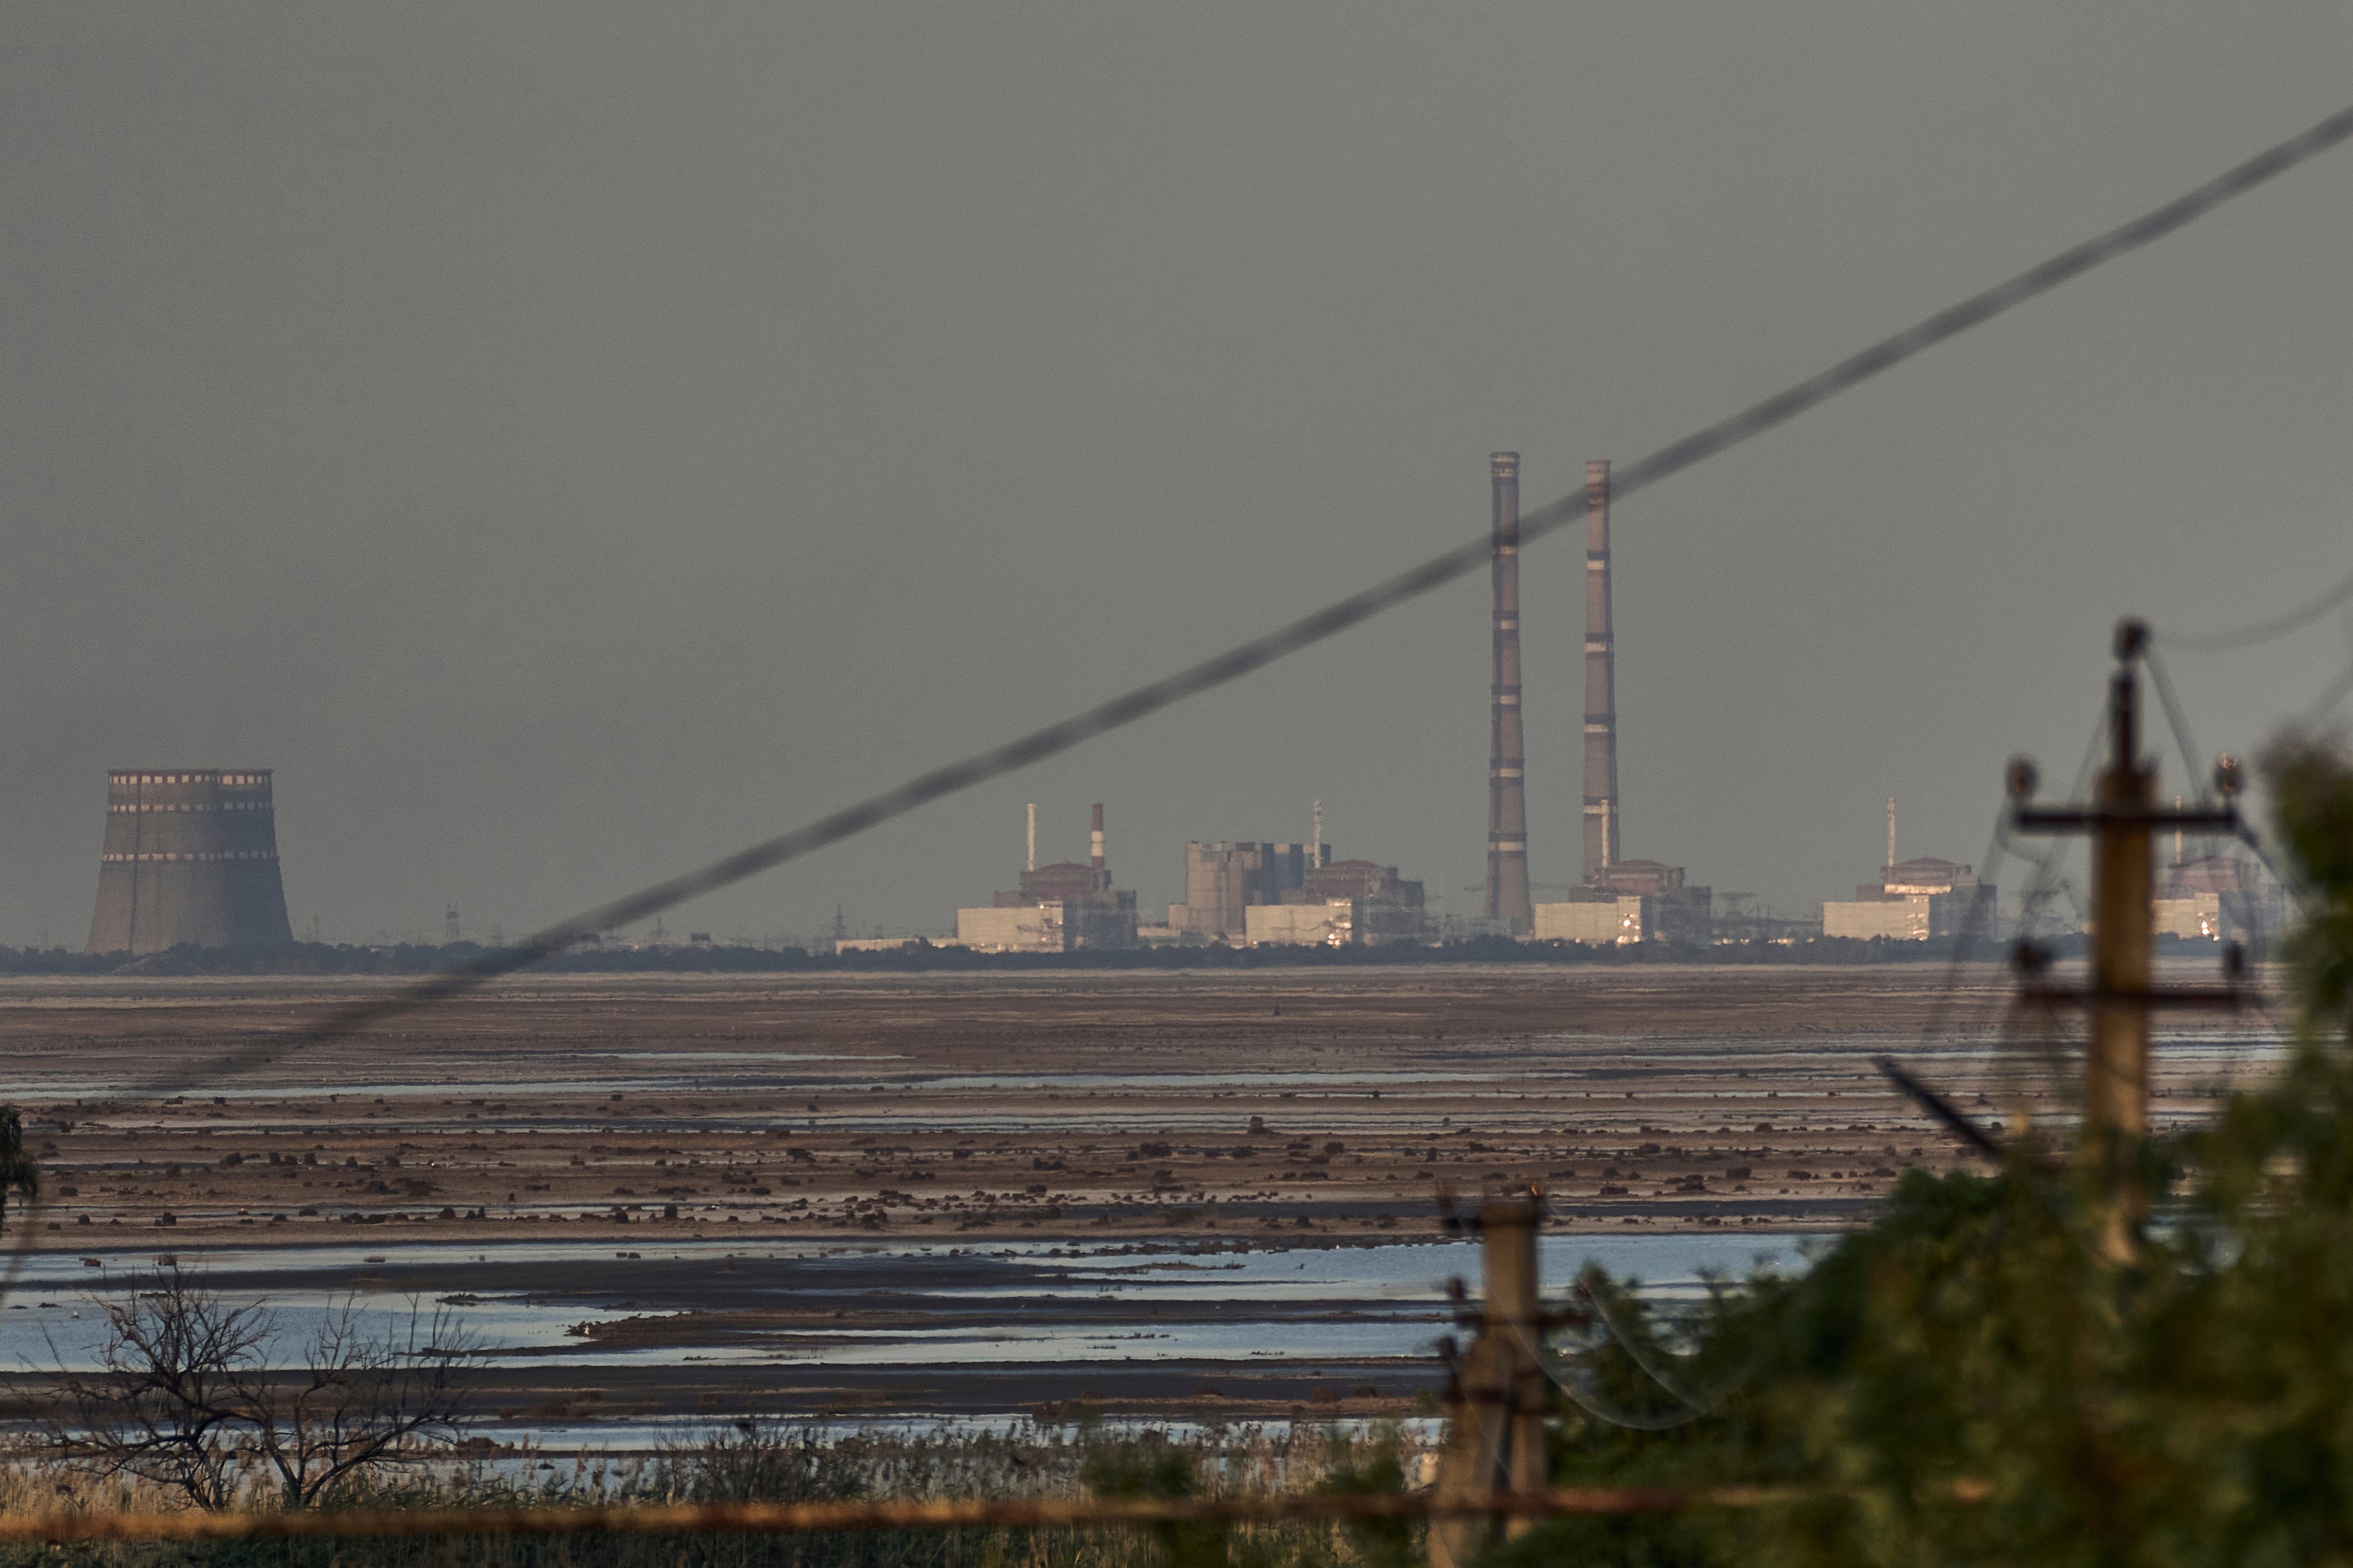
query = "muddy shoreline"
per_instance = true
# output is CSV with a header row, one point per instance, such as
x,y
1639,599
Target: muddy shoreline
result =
x,y
1272,1110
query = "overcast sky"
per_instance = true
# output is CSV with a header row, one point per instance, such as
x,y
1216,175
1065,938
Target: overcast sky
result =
x,y
566,442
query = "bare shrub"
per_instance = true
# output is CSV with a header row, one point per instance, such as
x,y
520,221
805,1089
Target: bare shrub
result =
x,y
185,1397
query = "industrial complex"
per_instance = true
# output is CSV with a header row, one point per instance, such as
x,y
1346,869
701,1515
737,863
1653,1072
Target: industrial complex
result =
x,y
1059,908
191,855
1235,894
1264,893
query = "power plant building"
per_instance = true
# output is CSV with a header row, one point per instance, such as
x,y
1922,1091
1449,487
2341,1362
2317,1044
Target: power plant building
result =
x,y
1633,902
190,857
1030,928
1059,908
1223,880
1326,923
1292,894
1916,899
2218,897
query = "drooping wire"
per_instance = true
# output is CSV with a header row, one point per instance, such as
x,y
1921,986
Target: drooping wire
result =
x,y
2266,630
2048,881
1706,1405
2179,720
1258,652
1328,622
1578,1384
1965,944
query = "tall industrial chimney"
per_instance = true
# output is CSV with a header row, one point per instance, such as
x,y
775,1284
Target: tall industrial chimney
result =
x,y
1601,684
1095,847
1507,797
1033,836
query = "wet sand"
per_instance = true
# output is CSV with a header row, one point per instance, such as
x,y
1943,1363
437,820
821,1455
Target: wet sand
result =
x,y
1309,1107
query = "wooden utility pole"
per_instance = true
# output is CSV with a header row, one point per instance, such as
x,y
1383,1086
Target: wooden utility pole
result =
x,y
2121,820
2124,939
1495,1442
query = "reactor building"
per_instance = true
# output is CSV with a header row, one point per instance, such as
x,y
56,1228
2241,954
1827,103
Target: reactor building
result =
x,y
1060,907
190,857
1914,900
1292,895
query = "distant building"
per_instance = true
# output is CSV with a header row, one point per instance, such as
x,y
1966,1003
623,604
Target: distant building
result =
x,y
1223,880
1633,900
1594,916
1227,882
1388,908
1018,927
1326,923
190,855
1059,908
2218,897
1913,900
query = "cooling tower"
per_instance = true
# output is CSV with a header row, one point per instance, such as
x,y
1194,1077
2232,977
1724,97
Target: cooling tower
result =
x,y
191,856
1507,802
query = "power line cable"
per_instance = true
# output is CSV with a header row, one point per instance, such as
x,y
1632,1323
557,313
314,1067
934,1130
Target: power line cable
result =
x,y
1328,622
2265,631
1258,652
2178,719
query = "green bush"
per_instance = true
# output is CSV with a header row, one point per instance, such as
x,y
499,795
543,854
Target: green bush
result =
x,y
1964,1382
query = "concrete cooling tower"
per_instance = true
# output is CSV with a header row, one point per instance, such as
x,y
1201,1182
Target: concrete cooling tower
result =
x,y
191,856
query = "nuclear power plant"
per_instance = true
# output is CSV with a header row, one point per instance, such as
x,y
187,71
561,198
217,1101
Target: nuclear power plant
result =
x,y
1059,908
190,857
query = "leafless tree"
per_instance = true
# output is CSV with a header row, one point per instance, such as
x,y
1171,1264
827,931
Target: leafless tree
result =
x,y
184,1395
361,1400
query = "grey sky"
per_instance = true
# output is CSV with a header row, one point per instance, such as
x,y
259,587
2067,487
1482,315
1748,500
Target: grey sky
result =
x,y
566,442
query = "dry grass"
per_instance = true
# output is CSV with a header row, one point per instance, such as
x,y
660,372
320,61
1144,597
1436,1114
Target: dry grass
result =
x,y
754,1462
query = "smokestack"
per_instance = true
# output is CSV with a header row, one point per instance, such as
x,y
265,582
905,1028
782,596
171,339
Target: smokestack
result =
x,y
1315,845
1891,841
1033,835
1095,843
1601,684
1507,799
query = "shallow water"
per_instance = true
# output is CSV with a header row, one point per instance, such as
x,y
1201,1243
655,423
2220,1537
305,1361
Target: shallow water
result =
x,y
1302,1303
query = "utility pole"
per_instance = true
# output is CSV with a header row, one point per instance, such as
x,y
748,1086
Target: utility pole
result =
x,y
2121,820
1495,1441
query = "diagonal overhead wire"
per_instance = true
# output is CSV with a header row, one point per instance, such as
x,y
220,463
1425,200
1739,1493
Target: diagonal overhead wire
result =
x,y
1328,622
2264,631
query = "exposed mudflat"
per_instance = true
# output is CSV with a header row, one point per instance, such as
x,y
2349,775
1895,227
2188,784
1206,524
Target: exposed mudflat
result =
x,y
554,1139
